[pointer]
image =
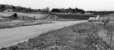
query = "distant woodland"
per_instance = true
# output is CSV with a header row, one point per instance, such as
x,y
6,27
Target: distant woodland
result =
x,y
11,8
23,9
16,9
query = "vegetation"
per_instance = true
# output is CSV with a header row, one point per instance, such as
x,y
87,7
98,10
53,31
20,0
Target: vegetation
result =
x,y
75,16
22,19
69,10
19,9
101,12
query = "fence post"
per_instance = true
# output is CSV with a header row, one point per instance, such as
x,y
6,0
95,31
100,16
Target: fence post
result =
x,y
34,18
23,17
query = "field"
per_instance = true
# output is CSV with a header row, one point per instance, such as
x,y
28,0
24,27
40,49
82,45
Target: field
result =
x,y
37,15
75,16
24,19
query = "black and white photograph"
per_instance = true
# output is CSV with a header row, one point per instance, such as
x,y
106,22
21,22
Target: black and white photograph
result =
x,y
56,24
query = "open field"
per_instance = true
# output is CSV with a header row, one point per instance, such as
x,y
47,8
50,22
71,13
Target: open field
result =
x,y
23,19
37,15
75,16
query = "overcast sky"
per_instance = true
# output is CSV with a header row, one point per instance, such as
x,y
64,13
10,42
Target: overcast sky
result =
x,y
84,4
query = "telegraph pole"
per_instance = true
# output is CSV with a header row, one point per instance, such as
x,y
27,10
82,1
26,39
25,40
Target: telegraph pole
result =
x,y
110,36
109,31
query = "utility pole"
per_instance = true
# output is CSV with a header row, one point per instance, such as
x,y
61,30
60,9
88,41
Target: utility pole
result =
x,y
110,36
109,31
111,39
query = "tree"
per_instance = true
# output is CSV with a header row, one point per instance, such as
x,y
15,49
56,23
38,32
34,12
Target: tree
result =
x,y
55,10
2,7
14,16
79,10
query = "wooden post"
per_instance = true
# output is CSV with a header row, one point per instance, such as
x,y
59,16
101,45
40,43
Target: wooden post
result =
x,y
23,17
34,18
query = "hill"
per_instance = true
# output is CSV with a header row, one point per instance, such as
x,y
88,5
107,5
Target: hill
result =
x,y
18,9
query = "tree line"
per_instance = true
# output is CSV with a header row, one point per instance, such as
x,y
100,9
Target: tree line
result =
x,y
68,10
18,8
23,9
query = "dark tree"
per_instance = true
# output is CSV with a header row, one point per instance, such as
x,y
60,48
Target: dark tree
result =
x,y
55,10
2,7
14,16
79,10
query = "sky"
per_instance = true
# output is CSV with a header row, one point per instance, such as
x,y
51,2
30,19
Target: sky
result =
x,y
83,4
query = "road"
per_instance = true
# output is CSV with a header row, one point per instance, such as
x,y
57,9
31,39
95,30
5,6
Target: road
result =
x,y
14,35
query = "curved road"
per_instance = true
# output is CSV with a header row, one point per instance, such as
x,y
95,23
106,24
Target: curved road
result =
x,y
14,35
